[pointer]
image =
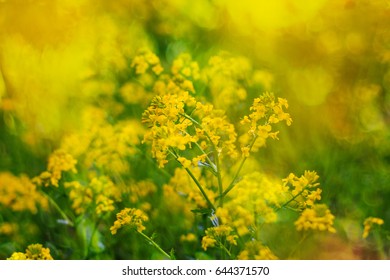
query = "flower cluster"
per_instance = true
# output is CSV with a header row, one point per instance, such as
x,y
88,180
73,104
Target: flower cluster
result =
x,y
184,66
369,223
305,194
252,201
265,112
59,161
33,252
255,250
219,236
100,193
102,145
317,217
168,124
216,133
8,228
304,188
145,60
228,76
19,193
131,217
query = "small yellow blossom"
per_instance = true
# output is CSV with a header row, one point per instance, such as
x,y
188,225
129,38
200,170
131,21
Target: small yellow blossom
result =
x,y
190,237
245,151
215,236
265,112
307,182
185,66
8,228
144,60
59,161
18,256
208,242
129,216
100,193
255,250
184,162
317,218
368,223
33,252
19,193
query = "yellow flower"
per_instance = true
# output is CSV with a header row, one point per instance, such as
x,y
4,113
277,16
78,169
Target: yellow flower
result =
x,y
33,252
59,161
100,193
303,185
190,237
8,228
38,252
368,223
18,256
318,217
144,60
215,236
245,151
184,162
227,75
19,193
208,242
184,66
265,111
255,250
129,216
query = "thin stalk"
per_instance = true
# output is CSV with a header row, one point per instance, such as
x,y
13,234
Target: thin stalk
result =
x,y
292,199
196,182
209,161
216,156
62,213
233,182
211,205
219,176
223,247
91,237
155,245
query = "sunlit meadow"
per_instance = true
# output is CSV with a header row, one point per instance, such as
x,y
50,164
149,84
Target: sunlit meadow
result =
x,y
201,129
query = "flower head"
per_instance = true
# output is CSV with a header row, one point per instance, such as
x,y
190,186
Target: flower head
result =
x,y
369,223
33,252
131,217
318,217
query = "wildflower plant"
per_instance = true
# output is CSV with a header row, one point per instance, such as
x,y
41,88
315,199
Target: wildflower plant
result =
x,y
183,127
199,152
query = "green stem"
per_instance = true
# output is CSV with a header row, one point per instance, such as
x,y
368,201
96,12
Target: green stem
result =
x,y
291,200
223,247
200,188
68,221
219,176
233,182
216,157
209,161
155,245
91,237
196,182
